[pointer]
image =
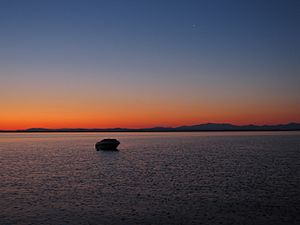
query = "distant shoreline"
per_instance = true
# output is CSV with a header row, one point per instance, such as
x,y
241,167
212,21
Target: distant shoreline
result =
x,y
207,127
192,131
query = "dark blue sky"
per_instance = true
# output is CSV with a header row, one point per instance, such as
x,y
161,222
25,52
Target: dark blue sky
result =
x,y
206,49
194,32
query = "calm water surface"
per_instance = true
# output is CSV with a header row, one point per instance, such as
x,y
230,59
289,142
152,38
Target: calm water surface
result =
x,y
155,178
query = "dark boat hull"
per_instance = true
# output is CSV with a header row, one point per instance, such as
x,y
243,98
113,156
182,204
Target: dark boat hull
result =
x,y
107,145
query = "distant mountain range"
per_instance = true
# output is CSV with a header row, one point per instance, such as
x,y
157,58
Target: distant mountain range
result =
x,y
200,127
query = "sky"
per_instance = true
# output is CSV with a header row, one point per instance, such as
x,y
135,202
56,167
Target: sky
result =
x,y
138,63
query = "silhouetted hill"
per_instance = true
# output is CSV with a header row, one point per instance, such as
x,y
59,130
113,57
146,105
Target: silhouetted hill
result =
x,y
199,127
208,127
230,127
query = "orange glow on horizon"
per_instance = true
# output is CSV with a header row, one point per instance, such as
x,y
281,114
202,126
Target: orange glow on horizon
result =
x,y
74,110
134,120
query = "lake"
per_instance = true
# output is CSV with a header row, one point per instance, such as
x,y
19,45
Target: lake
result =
x,y
156,178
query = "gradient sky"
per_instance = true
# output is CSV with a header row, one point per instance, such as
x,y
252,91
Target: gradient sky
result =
x,y
139,63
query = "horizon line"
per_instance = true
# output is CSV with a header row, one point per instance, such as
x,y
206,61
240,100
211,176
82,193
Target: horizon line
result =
x,y
146,128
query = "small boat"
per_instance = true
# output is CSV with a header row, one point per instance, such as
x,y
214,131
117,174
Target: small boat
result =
x,y
107,144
